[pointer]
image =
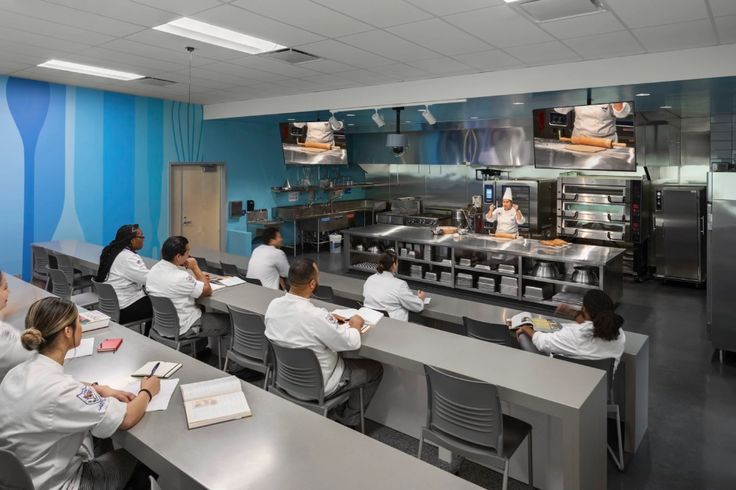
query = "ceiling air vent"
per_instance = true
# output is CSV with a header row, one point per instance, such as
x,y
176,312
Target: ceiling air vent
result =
x,y
546,10
293,56
158,82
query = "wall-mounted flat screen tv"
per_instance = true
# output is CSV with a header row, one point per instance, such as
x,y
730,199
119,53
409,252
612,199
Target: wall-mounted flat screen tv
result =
x,y
313,143
596,136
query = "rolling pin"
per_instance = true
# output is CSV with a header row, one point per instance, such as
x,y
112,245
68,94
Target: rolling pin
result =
x,y
591,141
314,144
504,235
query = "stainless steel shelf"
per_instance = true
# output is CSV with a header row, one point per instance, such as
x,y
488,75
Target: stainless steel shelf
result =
x,y
310,188
560,282
416,279
484,271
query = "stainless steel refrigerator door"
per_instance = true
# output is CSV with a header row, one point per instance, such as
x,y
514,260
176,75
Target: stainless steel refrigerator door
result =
x,y
679,225
722,262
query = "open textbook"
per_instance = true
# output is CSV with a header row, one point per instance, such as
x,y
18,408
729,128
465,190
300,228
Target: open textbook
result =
x,y
214,401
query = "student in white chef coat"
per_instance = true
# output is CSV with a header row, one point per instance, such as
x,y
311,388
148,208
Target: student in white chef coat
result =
x,y
293,321
268,263
508,217
384,291
597,120
123,269
597,333
12,352
47,417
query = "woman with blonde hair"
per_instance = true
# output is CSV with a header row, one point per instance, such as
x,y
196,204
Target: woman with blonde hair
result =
x,y
48,418
12,352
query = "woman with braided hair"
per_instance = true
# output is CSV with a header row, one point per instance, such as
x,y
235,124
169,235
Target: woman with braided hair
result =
x,y
123,269
597,333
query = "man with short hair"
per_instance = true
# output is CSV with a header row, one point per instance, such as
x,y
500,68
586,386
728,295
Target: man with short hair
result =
x,y
268,262
293,321
178,277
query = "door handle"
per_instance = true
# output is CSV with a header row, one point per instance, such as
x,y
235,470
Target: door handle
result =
x,y
186,221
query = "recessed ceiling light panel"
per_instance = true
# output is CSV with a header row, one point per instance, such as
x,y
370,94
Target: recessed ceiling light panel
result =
x,y
219,36
90,70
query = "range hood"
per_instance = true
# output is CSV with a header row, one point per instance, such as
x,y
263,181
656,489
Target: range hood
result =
x,y
546,10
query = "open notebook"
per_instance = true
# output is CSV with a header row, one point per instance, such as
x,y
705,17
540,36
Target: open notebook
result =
x,y
370,316
214,401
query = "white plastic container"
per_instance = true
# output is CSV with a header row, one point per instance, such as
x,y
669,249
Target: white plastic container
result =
x,y
335,243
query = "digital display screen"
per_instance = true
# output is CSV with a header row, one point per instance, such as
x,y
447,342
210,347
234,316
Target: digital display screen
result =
x,y
313,143
488,193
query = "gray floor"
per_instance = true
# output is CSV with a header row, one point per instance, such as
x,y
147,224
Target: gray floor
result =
x,y
691,442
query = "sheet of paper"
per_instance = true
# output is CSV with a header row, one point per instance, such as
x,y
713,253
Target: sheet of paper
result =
x,y
345,312
86,348
216,287
231,281
427,300
161,400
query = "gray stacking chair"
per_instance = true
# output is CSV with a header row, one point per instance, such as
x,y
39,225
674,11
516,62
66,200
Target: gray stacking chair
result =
x,y
324,293
202,263
497,333
249,347
12,472
40,263
298,378
250,280
76,278
60,287
613,407
464,416
229,270
165,328
109,305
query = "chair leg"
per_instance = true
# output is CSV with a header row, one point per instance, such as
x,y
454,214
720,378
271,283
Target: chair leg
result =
x,y
219,352
421,442
266,376
531,463
227,358
505,484
362,413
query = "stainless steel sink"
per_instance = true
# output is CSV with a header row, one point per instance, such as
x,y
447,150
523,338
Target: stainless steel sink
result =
x,y
290,213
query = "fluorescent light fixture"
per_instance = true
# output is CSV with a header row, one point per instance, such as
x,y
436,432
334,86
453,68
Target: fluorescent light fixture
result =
x,y
291,119
350,115
378,119
219,36
665,107
643,94
90,70
428,116
511,1
474,117
351,124
517,103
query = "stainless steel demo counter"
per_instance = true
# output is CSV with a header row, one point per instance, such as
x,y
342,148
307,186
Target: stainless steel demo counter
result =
x,y
471,262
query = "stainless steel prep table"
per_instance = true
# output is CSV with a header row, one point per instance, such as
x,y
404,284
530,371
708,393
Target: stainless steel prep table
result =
x,y
280,446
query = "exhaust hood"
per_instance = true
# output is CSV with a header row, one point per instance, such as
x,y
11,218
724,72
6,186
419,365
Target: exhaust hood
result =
x,y
546,10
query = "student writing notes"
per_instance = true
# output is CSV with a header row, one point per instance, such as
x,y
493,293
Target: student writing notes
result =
x,y
47,418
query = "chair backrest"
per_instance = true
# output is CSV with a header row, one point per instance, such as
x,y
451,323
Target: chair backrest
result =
x,y
526,344
229,269
257,282
165,317
249,338
108,300
12,472
40,259
53,261
490,332
324,293
202,263
65,264
602,364
464,408
60,285
298,373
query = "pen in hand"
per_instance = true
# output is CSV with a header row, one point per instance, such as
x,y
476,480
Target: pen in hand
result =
x,y
154,369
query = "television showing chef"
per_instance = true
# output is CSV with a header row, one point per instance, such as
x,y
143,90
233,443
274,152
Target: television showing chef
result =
x,y
596,136
507,218
314,143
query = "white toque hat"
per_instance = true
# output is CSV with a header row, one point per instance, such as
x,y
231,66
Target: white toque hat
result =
x,y
507,195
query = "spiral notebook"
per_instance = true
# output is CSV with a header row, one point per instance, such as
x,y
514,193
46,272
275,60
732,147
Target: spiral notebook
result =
x,y
164,369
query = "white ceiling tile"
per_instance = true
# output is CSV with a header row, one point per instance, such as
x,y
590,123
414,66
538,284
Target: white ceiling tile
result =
x,y
722,7
181,7
446,7
439,36
240,75
543,54
386,44
585,25
240,20
642,13
8,67
307,15
607,45
442,66
328,66
121,10
143,64
330,82
677,36
380,13
378,75
200,79
405,72
337,51
158,39
274,66
52,29
500,26
490,60
147,51
68,16
40,40
726,27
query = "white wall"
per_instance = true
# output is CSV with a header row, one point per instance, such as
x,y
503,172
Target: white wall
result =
x,y
709,62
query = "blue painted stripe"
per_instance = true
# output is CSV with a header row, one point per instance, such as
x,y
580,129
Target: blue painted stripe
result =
x,y
88,161
118,167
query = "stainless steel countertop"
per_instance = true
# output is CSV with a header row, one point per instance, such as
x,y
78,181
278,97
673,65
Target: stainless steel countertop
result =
x,y
574,253
281,446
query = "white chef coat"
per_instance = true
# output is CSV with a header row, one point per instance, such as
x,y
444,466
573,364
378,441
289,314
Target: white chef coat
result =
x,y
267,263
176,283
293,321
597,120
507,222
386,292
576,340
128,276
12,351
47,418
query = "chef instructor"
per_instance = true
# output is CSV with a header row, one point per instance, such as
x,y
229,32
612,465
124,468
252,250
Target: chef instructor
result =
x,y
508,217
597,120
